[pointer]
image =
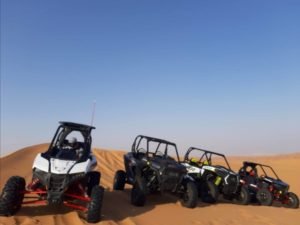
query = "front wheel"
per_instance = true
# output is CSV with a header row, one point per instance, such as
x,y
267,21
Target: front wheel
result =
x,y
93,180
264,197
293,200
243,197
138,195
119,180
95,206
190,195
212,190
12,196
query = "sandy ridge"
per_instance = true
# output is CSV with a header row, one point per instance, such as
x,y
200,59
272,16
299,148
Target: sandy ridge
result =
x,y
159,210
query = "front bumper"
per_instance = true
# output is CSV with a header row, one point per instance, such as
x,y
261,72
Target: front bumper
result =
x,y
56,184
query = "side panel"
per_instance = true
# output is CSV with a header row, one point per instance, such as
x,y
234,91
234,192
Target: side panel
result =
x,y
84,167
192,169
129,163
209,168
40,163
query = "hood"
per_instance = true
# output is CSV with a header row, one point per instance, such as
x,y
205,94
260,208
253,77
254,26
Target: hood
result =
x,y
223,171
279,184
59,166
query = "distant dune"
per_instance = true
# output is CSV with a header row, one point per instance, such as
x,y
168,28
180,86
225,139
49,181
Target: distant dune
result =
x,y
159,210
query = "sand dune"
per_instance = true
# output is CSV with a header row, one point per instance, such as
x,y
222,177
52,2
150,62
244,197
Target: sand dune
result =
x,y
159,210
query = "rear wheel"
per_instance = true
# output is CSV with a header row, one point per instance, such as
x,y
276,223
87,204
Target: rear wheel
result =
x,y
264,197
12,196
119,180
138,195
243,197
93,180
95,206
190,196
293,200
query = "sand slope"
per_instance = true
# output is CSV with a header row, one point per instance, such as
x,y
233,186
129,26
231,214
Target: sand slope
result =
x,y
159,210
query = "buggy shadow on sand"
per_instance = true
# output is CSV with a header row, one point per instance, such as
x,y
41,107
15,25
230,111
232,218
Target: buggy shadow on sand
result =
x,y
150,168
265,186
64,174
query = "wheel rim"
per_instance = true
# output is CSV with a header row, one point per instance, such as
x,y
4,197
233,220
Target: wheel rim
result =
x,y
186,196
210,191
242,195
291,201
263,196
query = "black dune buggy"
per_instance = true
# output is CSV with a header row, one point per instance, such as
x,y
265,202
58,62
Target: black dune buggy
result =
x,y
213,176
265,188
150,168
62,175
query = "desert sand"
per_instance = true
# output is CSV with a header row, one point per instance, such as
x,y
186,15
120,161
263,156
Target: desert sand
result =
x,y
159,210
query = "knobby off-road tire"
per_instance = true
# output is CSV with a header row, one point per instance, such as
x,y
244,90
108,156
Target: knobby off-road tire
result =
x,y
212,191
190,196
264,197
119,180
12,196
138,193
203,193
95,205
93,180
293,200
243,197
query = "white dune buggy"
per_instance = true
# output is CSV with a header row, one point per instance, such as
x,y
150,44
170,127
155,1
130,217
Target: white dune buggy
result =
x,y
64,174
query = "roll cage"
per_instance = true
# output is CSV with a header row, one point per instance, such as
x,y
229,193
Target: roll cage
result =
x,y
206,156
137,146
63,130
263,167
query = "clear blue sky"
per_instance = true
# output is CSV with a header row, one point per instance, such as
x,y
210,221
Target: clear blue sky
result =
x,y
222,75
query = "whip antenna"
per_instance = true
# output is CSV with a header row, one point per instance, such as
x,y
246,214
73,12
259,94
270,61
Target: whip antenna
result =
x,y
93,112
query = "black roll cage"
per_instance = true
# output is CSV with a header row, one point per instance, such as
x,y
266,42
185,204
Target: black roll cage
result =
x,y
65,128
262,166
139,138
207,154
